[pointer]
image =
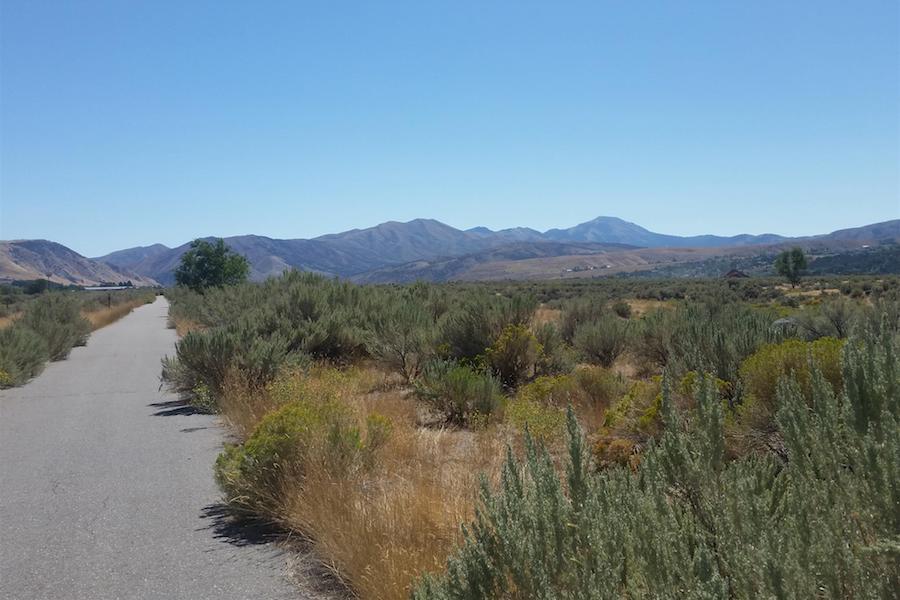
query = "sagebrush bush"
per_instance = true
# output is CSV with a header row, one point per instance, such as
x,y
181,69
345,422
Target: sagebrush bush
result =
x,y
692,523
707,338
832,317
402,337
543,422
580,311
591,388
514,355
22,355
761,372
458,393
467,330
602,341
622,308
556,358
56,317
284,443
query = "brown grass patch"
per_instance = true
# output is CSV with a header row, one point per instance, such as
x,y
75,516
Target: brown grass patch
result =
x,y
185,326
812,293
382,527
382,530
640,307
106,316
545,315
9,320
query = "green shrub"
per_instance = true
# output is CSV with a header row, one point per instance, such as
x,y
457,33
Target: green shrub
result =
x,y
707,338
468,329
22,355
601,342
637,410
600,387
286,442
589,387
56,317
622,308
831,318
543,422
690,523
207,357
556,357
652,342
514,355
578,312
458,393
402,337
761,372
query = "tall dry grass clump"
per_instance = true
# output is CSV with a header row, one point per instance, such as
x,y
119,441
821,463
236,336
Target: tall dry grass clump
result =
x,y
9,320
381,511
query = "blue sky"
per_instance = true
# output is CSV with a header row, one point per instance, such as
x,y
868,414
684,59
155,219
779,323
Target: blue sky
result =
x,y
127,123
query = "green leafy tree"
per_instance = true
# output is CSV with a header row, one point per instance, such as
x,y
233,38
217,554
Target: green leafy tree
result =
x,y
791,264
211,264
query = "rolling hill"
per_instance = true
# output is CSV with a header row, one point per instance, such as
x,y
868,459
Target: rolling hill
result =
x,y
615,230
431,250
42,259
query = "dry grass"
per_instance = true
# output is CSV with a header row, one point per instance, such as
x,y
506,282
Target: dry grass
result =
x,y
383,529
545,315
640,307
184,327
106,316
812,293
9,320
379,528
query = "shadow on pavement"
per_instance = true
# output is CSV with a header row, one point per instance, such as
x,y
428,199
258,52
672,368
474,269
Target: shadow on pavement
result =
x,y
238,529
173,408
304,567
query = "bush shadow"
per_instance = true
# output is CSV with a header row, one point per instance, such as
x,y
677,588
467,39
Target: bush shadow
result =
x,y
305,569
172,408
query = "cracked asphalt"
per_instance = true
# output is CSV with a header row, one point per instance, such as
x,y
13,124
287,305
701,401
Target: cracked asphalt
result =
x,y
106,484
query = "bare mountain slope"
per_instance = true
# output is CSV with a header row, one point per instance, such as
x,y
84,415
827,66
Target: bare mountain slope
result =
x,y
615,230
131,257
429,249
460,267
42,259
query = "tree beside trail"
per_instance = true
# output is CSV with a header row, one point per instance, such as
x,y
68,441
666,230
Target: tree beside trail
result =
x,y
211,264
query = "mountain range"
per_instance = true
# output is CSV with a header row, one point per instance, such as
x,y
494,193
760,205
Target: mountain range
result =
x,y
42,259
430,250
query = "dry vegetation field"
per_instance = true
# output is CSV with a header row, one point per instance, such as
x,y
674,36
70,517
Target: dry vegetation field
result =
x,y
368,418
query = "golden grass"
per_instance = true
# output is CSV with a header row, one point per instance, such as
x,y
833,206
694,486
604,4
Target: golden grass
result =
x,y
380,528
106,316
184,327
640,306
9,320
812,293
383,529
545,315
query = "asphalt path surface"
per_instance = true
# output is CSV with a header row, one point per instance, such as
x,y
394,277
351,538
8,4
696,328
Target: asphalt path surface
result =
x,y
106,484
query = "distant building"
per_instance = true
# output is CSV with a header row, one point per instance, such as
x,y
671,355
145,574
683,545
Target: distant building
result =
x,y
734,273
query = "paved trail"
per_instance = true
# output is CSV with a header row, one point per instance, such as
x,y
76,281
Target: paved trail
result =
x,y
106,486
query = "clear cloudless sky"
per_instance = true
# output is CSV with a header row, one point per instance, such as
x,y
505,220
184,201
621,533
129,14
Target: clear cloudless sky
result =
x,y
125,123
